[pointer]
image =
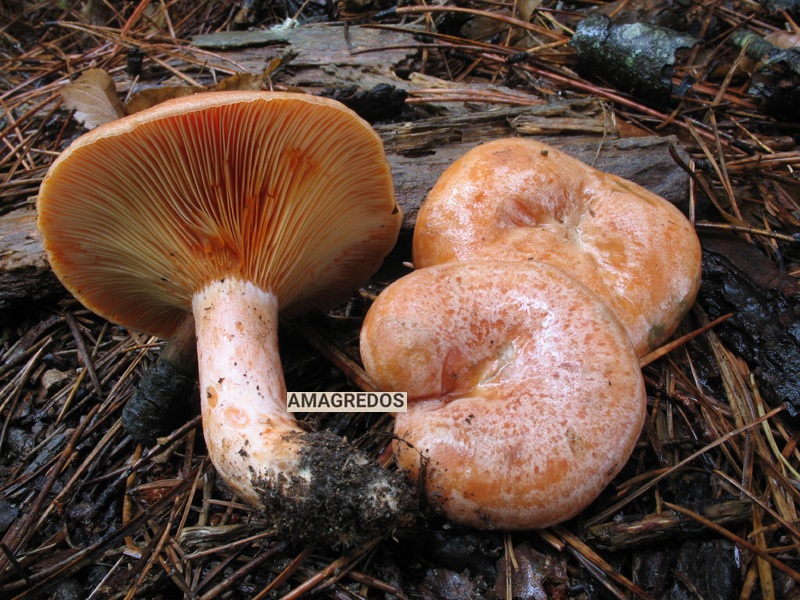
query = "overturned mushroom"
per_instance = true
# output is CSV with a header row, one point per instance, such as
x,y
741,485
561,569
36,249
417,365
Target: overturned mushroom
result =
x,y
233,205
525,394
518,199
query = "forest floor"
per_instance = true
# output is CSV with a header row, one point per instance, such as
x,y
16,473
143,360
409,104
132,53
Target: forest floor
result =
x,y
707,506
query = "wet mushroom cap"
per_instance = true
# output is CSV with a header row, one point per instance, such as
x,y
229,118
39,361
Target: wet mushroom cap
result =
x,y
290,191
518,199
525,395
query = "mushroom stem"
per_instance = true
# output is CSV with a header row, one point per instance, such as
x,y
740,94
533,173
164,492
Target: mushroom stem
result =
x,y
313,484
242,390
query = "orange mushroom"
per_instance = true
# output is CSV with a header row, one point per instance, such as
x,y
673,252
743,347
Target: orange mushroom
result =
x,y
233,205
525,394
518,199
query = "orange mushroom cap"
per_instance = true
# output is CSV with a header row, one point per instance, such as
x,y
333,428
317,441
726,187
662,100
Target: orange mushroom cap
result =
x,y
518,199
290,191
525,395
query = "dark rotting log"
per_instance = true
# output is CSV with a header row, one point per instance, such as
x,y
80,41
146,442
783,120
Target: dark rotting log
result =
x,y
765,327
636,57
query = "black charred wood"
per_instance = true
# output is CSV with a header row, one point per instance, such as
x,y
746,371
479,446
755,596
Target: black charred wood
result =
x,y
162,402
765,327
383,102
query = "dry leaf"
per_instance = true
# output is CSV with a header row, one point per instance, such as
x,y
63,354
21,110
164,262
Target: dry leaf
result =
x,y
783,39
526,8
157,16
152,96
242,81
93,97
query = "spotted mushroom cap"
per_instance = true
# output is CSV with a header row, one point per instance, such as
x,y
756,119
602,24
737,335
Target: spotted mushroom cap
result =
x,y
525,397
289,191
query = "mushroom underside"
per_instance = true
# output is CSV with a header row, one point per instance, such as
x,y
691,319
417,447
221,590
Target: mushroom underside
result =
x,y
233,206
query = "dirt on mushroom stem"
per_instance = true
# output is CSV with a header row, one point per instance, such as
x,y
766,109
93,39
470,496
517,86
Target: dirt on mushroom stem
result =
x,y
343,500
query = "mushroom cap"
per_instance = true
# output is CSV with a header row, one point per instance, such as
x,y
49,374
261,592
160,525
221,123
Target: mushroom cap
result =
x,y
288,191
518,199
525,394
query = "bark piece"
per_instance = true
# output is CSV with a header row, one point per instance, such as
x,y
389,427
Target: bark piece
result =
x,y
166,395
691,569
636,57
775,81
24,272
229,40
639,531
380,103
765,327
325,55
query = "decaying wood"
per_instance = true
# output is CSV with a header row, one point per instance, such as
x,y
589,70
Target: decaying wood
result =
x,y
637,57
418,151
666,525
323,56
419,148
24,272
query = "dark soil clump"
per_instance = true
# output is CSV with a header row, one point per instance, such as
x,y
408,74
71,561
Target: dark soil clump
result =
x,y
346,499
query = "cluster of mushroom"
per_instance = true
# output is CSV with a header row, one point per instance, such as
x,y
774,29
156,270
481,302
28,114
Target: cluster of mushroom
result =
x,y
539,283
231,206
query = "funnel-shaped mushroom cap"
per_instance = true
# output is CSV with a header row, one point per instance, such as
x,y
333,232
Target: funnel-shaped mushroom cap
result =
x,y
288,191
520,200
525,394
